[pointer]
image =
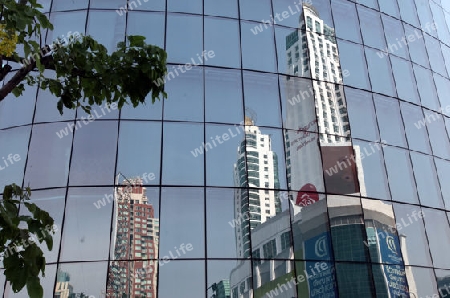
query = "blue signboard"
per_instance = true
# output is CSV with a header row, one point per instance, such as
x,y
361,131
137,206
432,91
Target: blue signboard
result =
x,y
395,274
320,273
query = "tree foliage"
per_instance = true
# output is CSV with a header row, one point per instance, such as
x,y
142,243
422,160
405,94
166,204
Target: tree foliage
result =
x,y
83,74
23,259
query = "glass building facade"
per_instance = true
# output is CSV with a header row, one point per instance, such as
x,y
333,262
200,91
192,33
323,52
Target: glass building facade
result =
x,y
303,151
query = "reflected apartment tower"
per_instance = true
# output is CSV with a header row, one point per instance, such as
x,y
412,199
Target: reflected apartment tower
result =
x,y
317,112
136,237
257,168
63,287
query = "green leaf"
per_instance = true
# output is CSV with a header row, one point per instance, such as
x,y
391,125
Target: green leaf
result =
x,y
34,288
136,40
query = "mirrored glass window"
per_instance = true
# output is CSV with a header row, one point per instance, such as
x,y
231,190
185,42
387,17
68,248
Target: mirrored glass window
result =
x,y
443,89
434,53
362,114
183,29
225,46
49,155
191,275
11,105
87,208
67,23
187,229
389,7
255,10
371,170
111,4
185,94
353,60
400,175
421,281
221,8
380,73
416,46
408,12
415,128
83,278
223,93
425,16
395,36
426,179
411,229
13,154
443,171
438,232
223,224
140,151
183,149
254,41
94,153
404,80
262,99
194,6
437,133
225,144
371,28
346,21
148,24
390,120
426,87
98,20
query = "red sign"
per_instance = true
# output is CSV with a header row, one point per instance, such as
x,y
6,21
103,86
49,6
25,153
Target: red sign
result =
x,y
307,195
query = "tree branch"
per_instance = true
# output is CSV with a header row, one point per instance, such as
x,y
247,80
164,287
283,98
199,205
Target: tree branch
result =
x,y
21,74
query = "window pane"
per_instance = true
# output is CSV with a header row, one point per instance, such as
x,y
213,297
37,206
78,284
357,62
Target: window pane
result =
x,y
185,95
389,7
404,80
362,114
9,107
443,171
353,60
426,179
140,150
261,43
188,227
223,92
416,46
427,89
400,175
106,19
87,208
415,128
193,6
346,20
434,53
408,12
226,45
94,153
438,232
255,10
414,244
183,29
87,278
49,149
395,36
389,120
261,98
13,153
148,24
440,144
373,173
183,149
380,73
221,8
371,28
223,142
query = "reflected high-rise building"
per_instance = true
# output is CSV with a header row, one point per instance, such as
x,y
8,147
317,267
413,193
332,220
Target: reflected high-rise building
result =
x,y
257,168
317,113
136,237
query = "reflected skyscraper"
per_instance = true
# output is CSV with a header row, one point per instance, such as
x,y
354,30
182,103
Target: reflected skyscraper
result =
x,y
256,168
136,237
